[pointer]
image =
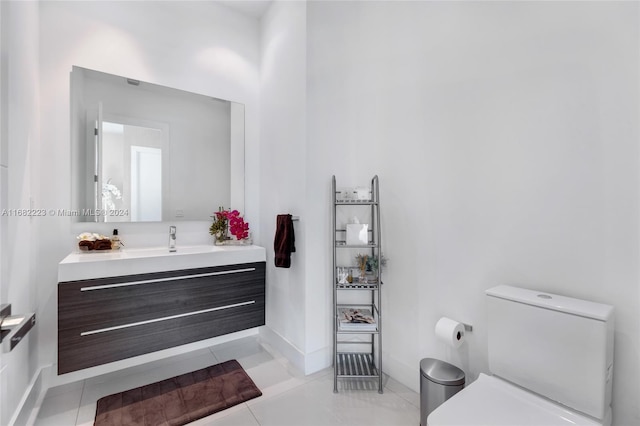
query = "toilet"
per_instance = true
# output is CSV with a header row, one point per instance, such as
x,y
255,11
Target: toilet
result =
x,y
551,363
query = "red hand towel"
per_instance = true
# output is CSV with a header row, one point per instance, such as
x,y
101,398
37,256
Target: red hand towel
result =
x,y
284,242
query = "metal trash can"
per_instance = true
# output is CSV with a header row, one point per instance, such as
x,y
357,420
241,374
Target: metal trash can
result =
x,y
439,381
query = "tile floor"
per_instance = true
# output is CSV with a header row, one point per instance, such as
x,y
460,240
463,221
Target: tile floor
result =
x,y
288,396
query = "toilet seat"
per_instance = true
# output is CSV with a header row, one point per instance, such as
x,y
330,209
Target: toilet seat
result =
x,y
492,401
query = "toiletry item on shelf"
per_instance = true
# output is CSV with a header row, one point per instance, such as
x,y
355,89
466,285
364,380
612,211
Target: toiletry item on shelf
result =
x,y
116,243
343,273
88,241
345,194
172,238
357,233
363,193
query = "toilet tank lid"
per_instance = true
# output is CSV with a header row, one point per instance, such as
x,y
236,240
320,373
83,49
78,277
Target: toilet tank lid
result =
x,y
569,305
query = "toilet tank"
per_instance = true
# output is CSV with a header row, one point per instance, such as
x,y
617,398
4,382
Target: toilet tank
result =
x,y
555,346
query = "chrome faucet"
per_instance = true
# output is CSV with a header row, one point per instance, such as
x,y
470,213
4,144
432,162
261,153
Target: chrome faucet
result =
x,y
172,238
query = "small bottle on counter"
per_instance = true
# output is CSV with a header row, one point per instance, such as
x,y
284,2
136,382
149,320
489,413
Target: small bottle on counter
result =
x,y
116,243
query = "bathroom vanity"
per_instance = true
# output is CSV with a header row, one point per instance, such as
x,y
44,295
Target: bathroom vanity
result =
x,y
117,305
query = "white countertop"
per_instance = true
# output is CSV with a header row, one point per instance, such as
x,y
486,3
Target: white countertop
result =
x,y
112,263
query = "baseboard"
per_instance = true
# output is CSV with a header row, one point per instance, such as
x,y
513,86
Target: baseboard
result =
x,y
283,346
27,409
318,360
308,363
403,373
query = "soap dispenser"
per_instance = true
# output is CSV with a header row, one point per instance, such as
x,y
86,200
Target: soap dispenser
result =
x,y
116,243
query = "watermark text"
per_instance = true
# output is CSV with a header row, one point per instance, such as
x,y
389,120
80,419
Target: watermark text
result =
x,y
64,212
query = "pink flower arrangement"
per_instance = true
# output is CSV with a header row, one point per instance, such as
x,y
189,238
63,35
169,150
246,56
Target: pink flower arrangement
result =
x,y
237,226
231,221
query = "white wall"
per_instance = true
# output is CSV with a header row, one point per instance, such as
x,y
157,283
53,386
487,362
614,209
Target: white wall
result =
x,y
505,136
200,47
283,176
20,131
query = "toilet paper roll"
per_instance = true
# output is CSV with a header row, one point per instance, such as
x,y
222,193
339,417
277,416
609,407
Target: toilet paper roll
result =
x,y
450,332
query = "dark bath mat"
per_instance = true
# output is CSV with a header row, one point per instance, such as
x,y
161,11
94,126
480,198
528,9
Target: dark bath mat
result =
x,y
179,400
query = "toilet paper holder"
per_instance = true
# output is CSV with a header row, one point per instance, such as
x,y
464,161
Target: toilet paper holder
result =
x,y
451,332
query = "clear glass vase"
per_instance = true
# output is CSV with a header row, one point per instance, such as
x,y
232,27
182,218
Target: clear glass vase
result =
x,y
363,276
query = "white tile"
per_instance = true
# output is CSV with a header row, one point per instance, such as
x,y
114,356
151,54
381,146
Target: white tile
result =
x,y
306,405
402,391
240,415
368,407
247,351
272,381
59,408
272,378
315,404
66,388
182,366
270,371
372,408
142,369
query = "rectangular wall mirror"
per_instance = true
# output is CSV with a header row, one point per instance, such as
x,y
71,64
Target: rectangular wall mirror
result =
x,y
141,152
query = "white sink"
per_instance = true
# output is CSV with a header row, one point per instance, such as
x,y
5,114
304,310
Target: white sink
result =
x,y
163,251
96,264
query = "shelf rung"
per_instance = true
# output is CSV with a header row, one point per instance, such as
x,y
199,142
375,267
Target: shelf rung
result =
x,y
353,364
343,244
355,305
373,286
356,203
353,376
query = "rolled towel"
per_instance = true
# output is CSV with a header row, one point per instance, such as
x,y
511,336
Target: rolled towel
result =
x,y
86,245
102,245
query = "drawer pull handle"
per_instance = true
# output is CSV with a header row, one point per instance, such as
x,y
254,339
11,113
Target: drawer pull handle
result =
x,y
187,314
159,280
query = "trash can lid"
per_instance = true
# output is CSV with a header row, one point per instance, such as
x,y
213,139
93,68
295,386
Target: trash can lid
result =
x,y
441,372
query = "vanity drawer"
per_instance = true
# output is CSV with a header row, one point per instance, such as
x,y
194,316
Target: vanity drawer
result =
x,y
109,319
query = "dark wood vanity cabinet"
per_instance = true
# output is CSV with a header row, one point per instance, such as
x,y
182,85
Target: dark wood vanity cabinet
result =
x,y
109,319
